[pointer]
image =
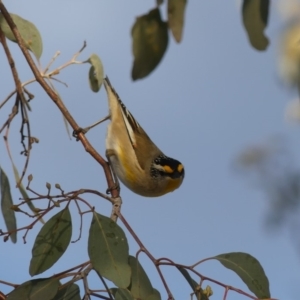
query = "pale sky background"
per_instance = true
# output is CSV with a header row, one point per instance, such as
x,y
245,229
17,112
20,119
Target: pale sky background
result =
x,y
211,97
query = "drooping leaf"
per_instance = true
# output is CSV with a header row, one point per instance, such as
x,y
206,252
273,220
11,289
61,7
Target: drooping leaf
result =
x,y
140,286
108,250
255,18
6,204
188,278
113,291
154,296
28,31
176,10
37,289
123,294
96,73
200,294
149,43
51,242
249,270
70,292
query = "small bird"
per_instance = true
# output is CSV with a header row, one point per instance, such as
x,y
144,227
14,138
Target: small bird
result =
x,y
134,158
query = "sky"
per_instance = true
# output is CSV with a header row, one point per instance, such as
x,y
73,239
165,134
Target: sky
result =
x,y
211,97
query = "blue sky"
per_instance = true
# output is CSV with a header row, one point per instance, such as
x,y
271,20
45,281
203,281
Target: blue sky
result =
x,y
211,97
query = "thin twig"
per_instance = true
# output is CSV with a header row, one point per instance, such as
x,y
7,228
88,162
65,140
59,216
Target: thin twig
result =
x,y
25,121
105,285
13,113
7,98
81,221
145,250
13,67
88,147
72,269
8,283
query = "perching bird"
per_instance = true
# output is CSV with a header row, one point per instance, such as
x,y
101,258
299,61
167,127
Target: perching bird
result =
x,y
134,158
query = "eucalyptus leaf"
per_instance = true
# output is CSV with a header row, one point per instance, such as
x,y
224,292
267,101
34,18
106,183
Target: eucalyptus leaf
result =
x,y
193,284
6,206
176,10
51,242
149,43
140,286
123,294
70,292
37,289
188,278
108,250
96,73
255,18
249,270
28,31
154,296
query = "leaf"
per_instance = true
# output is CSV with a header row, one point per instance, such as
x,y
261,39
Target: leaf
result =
x,y
51,242
123,294
6,204
96,73
140,286
113,291
249,270
255,18
108,250
188,278
198,291
154,296
176,10
70,292
149,43
37,289
28,31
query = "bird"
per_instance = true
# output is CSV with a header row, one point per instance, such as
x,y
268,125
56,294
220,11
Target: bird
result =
x,y
137,162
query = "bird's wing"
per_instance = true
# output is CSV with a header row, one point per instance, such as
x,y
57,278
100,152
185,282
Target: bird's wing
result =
x,y
139,139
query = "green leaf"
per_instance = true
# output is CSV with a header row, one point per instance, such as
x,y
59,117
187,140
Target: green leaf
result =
x,y
123,294
154,296
150,41
176,10
140,286
188,278
198,291
6,204
249,270
113,291
108,250
255,18
51,242
28,31
96,73
70,292
37,289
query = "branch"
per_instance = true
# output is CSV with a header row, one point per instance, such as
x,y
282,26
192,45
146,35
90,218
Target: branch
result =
x,y
39,78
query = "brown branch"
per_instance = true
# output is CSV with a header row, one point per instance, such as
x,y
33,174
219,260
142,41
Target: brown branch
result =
x,y
12,66
7,98
39,78
145,250
27,151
